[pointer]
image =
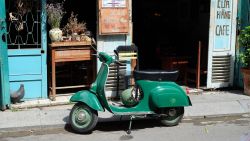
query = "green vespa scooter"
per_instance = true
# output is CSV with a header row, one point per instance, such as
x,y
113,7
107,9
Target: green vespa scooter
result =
x,y
155,94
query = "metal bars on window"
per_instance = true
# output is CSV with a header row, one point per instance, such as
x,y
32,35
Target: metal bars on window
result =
x,y
29,37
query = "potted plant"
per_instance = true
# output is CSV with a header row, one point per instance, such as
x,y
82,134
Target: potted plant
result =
x,y
75,29
244,40
55,14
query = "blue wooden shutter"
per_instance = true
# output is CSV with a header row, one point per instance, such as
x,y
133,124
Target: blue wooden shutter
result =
x,y
243,21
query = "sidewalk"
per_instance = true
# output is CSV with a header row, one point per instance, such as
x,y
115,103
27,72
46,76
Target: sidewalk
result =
x,y
216,103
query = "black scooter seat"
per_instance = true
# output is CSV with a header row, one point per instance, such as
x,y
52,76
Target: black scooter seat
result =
x,y
156,75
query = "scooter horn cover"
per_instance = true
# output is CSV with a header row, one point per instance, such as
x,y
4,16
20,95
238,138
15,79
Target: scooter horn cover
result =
x,y
128,98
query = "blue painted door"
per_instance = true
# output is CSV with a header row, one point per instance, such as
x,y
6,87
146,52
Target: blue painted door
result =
x,y
222,41
27,47
4,79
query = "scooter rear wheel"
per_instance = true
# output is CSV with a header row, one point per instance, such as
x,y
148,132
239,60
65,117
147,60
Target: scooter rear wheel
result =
x,y
172,116
83,118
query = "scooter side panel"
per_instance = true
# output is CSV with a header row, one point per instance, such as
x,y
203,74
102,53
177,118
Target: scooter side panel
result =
x,y
169,95
88,98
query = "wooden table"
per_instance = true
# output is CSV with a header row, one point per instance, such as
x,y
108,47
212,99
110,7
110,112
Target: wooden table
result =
x,y
68,52
174,62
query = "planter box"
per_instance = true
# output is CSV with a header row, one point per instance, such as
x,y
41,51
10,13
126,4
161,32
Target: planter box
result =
x,y
246,80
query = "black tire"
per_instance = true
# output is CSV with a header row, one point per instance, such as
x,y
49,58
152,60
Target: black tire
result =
x,y
172,116
83,119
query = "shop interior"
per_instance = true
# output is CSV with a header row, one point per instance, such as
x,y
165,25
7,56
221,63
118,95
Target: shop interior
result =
x,y
168,34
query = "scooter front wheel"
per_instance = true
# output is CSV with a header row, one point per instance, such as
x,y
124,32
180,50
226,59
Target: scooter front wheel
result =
x,y
172,116
83,118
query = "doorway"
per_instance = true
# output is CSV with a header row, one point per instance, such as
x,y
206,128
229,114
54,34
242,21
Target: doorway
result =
x,y
170,31
26,47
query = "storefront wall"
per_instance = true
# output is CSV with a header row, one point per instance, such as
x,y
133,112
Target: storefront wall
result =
x,y
108,43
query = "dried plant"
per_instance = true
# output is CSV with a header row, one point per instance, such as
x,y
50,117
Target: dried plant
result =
x,y
22,8
55,14
73,26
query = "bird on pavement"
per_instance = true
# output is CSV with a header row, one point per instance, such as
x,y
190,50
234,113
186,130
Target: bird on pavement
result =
x,y
17,95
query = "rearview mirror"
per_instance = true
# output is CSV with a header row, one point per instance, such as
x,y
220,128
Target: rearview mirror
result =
x,y
116,52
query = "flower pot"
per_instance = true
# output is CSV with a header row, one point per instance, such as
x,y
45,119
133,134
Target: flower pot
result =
x,y
246,80
55,34
76,37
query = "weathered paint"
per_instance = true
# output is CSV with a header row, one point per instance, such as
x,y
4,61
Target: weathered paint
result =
x,y
4,71
222,37
29,66
44,48
243,21
243,13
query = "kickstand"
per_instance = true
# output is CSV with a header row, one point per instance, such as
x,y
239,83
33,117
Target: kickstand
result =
x,y
130,125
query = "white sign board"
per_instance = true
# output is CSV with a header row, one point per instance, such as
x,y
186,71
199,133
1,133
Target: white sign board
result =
x,y
114,4
223,25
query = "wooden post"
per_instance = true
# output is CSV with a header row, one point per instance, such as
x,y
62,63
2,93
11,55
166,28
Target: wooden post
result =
x,y
53,63
198,66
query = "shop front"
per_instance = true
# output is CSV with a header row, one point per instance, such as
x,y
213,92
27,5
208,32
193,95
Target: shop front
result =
x,y
198,37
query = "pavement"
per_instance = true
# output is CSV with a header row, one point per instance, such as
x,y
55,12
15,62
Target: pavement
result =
x,y
43,113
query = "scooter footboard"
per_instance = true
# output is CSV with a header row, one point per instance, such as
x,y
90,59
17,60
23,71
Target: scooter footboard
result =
x,y
168,96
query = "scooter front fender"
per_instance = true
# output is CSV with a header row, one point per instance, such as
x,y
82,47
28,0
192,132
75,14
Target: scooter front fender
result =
x,y
88,98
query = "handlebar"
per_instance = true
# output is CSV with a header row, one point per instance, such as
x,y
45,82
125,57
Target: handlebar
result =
x,y
94,55
103,57
119,63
